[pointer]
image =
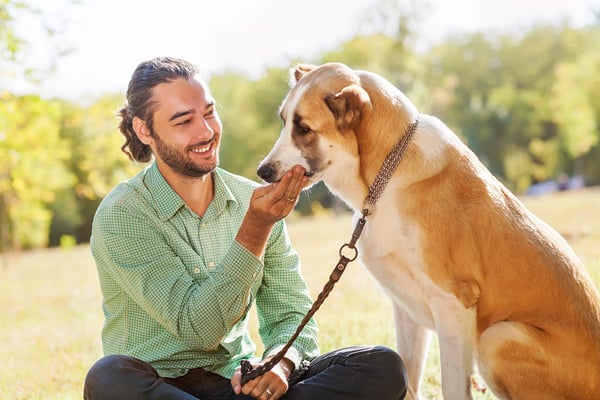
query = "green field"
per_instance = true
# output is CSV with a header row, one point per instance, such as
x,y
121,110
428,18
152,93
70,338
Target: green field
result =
x,y
51,305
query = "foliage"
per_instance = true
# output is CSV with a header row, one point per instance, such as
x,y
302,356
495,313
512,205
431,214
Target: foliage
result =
x,y
9,42
32,152
19,64
31,168
520,102
96,162
249,111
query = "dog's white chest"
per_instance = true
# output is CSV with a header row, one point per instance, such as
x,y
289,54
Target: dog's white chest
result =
x,y
389,249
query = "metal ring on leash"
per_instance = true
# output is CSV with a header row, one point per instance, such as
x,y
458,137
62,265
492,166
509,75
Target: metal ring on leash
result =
x,y
348,246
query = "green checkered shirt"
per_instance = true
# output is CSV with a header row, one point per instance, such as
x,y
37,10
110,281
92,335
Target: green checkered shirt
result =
x,y
178,288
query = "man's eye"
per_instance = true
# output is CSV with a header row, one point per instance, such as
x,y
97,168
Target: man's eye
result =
x,y
209,113
184,122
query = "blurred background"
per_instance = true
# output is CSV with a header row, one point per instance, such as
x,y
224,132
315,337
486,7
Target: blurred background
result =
x,y
517,80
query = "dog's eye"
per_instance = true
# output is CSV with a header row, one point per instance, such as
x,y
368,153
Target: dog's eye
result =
x,y
300,127
303,129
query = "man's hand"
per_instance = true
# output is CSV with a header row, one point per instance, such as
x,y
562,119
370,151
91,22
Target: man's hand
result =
x,y
269,204
275,201
270,386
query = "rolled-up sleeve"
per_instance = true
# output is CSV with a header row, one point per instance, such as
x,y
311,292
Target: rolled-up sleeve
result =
x,y
283,300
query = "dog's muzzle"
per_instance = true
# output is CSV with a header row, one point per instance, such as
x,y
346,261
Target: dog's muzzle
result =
x,y
267,172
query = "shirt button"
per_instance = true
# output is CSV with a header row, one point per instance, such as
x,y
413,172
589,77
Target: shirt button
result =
x,y
211,264
197,270
254,275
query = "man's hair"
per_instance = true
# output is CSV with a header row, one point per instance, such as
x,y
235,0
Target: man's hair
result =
x,y
139,102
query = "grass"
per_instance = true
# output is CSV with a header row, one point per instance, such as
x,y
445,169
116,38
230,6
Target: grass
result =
x,y
51,305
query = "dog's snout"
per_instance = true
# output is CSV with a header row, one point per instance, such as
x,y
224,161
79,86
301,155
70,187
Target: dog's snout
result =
x,y
266,172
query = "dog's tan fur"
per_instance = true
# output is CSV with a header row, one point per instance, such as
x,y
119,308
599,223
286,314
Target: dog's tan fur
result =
x,y
455,250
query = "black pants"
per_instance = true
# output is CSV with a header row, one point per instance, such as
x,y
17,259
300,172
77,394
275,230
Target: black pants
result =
x,y
364,372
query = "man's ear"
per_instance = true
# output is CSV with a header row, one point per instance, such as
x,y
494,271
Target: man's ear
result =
x,y
348,106
141,130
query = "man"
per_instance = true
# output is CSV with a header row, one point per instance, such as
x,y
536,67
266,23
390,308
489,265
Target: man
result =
x,y
185,248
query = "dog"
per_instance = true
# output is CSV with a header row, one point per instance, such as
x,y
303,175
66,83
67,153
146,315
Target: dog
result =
x,y
456,251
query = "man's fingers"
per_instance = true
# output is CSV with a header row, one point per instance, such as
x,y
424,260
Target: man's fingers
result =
x,y
272,202
287,189
295,185
268,389
236,381
282,188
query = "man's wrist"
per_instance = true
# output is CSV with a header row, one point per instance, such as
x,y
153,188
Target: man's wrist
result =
x,y
256,221
287,366
253,234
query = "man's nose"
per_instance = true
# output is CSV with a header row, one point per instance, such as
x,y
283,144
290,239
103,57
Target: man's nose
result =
x,y
205,128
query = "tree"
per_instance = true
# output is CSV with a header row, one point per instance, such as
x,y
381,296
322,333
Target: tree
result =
x,y
31,169
249,112
96,162
31,150
18,66
574,103
501,92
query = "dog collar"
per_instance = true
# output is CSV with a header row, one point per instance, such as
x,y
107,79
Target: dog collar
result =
x,y
387,169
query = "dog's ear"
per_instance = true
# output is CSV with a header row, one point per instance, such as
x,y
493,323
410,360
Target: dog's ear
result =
x,y
299,71
347,106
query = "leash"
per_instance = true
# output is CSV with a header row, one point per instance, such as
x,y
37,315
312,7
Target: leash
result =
x,y
389,166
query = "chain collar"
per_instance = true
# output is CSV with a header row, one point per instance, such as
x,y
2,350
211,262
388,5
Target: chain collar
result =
x,y
389,166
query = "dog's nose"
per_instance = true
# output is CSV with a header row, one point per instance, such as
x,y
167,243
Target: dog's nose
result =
x,y
266,172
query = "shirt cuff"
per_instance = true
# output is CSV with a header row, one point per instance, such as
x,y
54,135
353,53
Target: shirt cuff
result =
x,y
292,354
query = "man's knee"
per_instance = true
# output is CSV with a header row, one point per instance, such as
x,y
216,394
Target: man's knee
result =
x,y
389,359
390,371
112,374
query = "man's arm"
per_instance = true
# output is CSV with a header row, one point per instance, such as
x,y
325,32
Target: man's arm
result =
x,y
282,302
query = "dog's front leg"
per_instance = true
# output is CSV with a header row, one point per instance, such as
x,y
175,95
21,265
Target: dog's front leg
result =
x,y
412,341
455,327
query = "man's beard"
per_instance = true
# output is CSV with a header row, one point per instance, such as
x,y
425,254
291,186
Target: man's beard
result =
x,y
179,162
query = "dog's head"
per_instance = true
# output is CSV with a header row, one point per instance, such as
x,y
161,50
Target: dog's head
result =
x,y
324,107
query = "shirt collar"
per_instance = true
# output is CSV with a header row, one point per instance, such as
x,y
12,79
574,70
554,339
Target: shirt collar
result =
x,y
167,202
223,196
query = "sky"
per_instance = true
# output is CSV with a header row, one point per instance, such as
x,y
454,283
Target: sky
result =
x,y
110,37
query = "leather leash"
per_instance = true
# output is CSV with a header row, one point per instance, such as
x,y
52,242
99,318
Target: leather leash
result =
x,y
375,190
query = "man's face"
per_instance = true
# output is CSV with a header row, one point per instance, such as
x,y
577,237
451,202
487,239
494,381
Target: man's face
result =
x,y
186,130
